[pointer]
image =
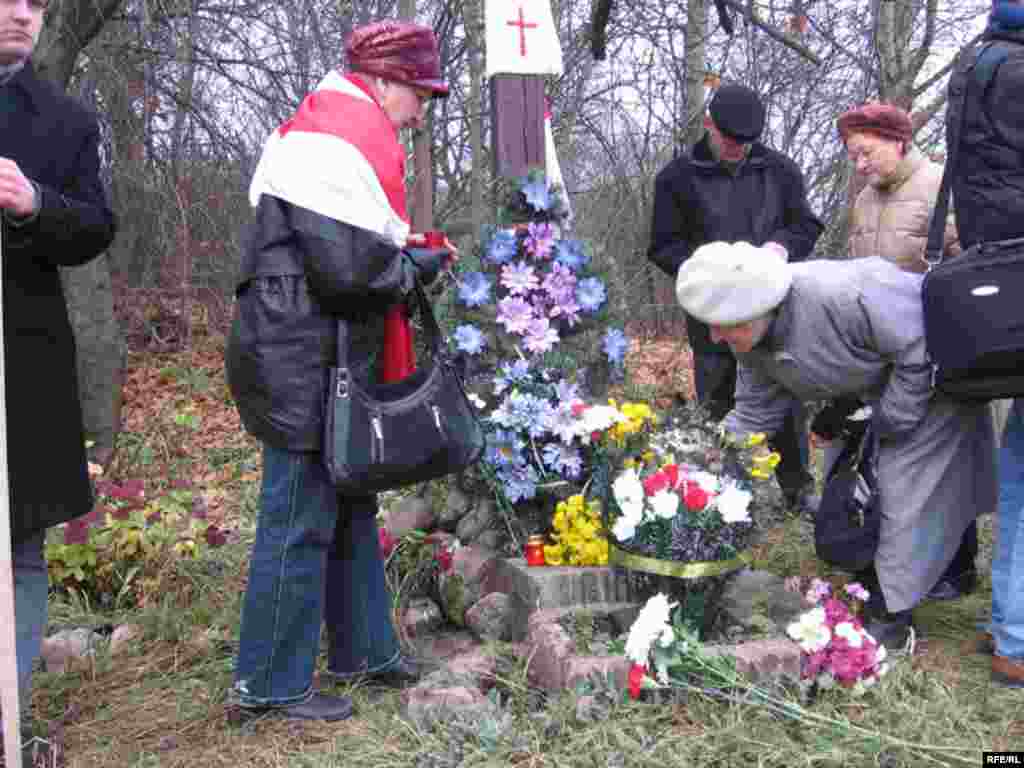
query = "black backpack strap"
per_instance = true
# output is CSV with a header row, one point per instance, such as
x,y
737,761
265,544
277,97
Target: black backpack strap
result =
x,y
971,66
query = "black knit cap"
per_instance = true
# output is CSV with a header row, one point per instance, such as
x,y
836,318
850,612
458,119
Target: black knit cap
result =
x,y
738,112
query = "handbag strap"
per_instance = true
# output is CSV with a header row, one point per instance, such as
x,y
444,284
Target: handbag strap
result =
x,y
426,314
969,66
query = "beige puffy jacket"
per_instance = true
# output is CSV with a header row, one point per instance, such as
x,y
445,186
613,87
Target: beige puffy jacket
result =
x,y
891,220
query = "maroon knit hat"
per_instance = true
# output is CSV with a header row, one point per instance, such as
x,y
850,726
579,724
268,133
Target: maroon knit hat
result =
x,y
885,120
397,50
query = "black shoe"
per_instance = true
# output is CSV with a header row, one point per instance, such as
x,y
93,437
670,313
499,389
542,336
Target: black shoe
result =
x,y
319,707
953,589
890,629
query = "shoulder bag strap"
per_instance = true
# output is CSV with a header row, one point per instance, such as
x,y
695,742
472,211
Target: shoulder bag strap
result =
x,y
984,74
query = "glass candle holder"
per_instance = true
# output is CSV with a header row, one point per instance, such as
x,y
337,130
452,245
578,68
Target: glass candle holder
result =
x,y
535,550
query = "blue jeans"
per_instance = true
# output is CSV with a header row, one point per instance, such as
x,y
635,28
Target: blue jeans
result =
x,y
313,549
1008,560
31,591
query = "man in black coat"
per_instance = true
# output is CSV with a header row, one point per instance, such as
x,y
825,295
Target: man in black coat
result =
x,y
732,187
54,214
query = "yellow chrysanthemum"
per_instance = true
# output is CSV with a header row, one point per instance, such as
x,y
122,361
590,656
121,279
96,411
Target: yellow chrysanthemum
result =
x,y
553,555
755,439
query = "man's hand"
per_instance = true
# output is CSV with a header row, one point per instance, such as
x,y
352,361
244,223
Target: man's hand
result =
x,y
419,240
17,193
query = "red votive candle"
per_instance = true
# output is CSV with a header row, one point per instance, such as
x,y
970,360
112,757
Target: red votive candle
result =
x,y
535,550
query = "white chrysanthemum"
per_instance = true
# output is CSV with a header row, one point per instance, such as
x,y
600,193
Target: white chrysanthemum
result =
x,y
651,624
625,527
664,504
734,504
598,418
810,631
628,490
850,633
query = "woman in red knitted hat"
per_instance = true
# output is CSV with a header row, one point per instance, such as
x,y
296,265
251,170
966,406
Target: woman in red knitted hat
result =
x,y
328,245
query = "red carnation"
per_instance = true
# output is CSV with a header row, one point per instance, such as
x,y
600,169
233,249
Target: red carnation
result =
x,y
672,472
444,559
578,409
637,673
659,481
387,543
696,498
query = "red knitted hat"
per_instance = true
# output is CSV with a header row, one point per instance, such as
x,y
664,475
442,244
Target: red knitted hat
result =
x,y
885,120
397,50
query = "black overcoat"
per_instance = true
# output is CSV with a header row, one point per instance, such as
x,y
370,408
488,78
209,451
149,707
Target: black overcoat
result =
x,y
55,142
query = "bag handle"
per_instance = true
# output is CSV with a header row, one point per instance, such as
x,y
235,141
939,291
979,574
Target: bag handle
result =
x,y
937,227
426,313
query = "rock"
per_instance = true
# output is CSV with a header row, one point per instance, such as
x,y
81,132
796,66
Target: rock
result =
x,y
492,539
67,644
483,516
456,506
427,705
123,637
476,666
411,513
422,617
579,669
753,594
550,648
445,645
764,660
490,618
469,580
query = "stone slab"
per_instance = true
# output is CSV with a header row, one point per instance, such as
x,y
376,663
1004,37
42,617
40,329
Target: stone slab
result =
x,y
542,588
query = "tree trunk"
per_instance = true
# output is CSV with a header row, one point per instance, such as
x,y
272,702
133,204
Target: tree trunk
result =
x,y
88,290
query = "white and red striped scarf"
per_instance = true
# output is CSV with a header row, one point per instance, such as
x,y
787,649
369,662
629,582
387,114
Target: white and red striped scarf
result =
x,y
339,156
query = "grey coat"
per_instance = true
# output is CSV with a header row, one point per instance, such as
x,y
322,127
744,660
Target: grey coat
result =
x,y
856,328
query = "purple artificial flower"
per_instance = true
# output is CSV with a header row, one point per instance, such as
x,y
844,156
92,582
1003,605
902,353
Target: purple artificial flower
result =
x,y
590,294
540,336
540,239
563,421
515,314
518,482
503,247
560,287
519,278
566,391
856,590
469,339
615,345
474,289
569,252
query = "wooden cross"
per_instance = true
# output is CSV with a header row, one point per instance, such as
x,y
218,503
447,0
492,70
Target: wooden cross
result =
x,y
523,26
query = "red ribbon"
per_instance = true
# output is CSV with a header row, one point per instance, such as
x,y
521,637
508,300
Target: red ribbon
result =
x,y
399,356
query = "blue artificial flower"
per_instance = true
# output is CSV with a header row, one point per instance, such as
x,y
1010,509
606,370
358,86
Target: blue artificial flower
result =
x,y
564,459
504,449
590,294
503,248
528,413
615,345
511,374
537,195
570,253
518,482
469,339
474,289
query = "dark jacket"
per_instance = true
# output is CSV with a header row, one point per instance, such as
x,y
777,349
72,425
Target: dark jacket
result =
x,y
301,274
988,184
697,200
55,142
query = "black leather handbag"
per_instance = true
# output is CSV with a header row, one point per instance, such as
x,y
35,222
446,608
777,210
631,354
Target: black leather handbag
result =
x,y
848,521
381,436
973,321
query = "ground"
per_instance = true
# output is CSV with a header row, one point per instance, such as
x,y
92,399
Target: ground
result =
x,y
165,702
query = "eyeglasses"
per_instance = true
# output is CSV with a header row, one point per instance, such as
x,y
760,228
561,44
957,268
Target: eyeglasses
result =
x,y
35,5
423,94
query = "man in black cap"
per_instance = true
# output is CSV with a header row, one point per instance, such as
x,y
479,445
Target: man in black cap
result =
x,y
732,187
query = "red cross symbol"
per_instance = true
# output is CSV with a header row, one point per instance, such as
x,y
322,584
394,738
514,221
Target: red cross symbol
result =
x,y
523,26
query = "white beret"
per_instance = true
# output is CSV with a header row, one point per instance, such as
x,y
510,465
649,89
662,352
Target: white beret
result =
x,y
732,283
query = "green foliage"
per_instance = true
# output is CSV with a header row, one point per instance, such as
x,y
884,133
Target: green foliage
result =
x,y
124,551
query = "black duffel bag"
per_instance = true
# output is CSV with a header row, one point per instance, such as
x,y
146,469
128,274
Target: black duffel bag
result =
x,y
848,520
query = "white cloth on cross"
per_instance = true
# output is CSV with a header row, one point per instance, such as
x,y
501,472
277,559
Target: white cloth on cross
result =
x,y
521,38
552,168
